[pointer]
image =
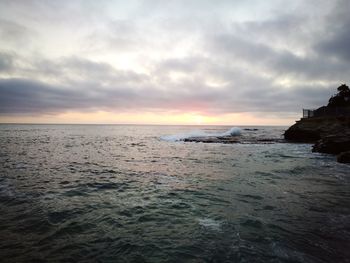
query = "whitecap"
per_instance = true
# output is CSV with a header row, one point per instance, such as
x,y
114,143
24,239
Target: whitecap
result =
x,y
210,223
234,131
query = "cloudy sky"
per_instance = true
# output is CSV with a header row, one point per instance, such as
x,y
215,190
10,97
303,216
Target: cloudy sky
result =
x,y
174,61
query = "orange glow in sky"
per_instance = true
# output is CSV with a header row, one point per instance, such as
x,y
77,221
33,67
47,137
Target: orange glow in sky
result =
x,y
166,118
170,62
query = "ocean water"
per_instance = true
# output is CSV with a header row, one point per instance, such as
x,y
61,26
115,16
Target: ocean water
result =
x,y
114,193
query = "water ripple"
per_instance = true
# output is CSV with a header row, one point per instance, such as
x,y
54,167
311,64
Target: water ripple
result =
x,y
119,194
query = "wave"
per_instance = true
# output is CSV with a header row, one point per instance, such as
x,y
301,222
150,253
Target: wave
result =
x,y
235,131
210,223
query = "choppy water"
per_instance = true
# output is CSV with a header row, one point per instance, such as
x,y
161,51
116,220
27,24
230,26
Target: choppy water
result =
x,y
87,193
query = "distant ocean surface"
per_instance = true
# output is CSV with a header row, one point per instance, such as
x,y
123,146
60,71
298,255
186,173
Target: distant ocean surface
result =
x,y
119,193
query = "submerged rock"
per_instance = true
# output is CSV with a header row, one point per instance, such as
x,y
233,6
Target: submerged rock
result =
x,y
330,134
344,157
333,144
213,139
233,139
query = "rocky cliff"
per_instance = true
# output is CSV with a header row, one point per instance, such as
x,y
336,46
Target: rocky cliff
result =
x,y
313,129
330,132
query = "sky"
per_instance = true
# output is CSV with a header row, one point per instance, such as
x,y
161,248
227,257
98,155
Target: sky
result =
x,y
231,62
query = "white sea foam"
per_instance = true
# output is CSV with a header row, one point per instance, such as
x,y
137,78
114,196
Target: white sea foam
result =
x,y
234,131
199,133
210,223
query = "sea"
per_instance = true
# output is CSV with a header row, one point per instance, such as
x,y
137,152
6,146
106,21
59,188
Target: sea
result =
x,y
138,193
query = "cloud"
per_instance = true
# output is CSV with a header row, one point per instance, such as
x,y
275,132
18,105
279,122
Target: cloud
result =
x,y
265,58
100,86
13,33
27,96
336,40
6,62
179,59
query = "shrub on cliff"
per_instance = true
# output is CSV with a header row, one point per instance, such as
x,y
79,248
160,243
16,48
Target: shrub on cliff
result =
x,y
342,98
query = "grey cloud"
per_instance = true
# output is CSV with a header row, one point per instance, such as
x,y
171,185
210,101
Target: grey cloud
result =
x,y
233,66
25,96
118,35
86,85
14,33
72,69
278,62
339,46
63,11
186,65
336,39
6,62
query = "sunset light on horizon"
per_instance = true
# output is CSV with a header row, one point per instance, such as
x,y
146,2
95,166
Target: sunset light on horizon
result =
x,y
175,131
162,118
169,62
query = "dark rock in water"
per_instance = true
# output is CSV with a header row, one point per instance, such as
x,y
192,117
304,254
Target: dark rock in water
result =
x,y
330,134
300,134
334,144
313,129
328,126
213,139
344,157
232,140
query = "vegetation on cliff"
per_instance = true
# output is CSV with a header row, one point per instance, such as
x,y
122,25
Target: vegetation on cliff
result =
x,y
341,99
329,128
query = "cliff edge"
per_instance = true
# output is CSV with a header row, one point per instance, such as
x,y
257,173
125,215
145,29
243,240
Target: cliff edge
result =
x,y
328,127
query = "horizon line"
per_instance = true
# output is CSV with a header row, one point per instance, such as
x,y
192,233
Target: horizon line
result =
x,y
135,124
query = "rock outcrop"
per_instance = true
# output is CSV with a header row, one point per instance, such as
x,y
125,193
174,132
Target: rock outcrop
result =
x,y
316,128
344,157
213,139
233,139
306,130
333,144
329,128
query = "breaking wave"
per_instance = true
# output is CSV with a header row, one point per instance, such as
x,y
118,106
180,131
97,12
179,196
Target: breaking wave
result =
x,y
235,131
